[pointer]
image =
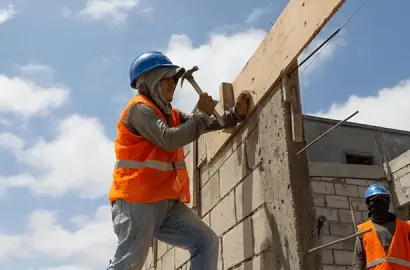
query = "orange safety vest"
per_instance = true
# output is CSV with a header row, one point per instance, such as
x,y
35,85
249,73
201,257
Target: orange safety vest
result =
x,y
144,172
398,255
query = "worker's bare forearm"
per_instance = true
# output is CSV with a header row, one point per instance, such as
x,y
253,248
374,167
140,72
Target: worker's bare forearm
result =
x,y
144,121
230,118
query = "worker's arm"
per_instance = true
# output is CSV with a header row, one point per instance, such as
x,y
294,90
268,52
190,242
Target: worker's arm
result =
x,y
231,119
143,120
360,256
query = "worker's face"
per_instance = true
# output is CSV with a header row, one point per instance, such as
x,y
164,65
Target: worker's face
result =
x,y
167,86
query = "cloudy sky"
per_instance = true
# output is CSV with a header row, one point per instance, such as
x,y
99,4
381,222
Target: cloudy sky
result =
x,y
64,81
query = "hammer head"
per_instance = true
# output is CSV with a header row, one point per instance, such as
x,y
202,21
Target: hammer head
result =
x,y
188,74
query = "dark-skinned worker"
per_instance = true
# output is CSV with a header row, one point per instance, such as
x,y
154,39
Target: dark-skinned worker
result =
x,y
150,186
387,245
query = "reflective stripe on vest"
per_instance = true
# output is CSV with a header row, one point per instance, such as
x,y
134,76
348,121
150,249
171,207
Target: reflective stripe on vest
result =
x,y
153,164
390,260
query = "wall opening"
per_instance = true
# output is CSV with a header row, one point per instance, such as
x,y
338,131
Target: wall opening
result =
x,y
359,159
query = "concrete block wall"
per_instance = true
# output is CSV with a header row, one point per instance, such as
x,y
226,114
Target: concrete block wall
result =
x,y
255,194
334,187
399,174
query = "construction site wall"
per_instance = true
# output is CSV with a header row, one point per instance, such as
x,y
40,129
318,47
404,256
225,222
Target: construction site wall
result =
x,y
255,194
399,174
334,186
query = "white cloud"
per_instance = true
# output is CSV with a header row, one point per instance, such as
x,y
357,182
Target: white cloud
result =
x,y
88,247
115,11
220,59
256,14
147,10
7,14
11,141
38,73
22,96
79,159
388,108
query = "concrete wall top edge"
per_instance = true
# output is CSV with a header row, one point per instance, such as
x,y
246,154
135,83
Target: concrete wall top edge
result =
x,y
399,162
346,170
354,124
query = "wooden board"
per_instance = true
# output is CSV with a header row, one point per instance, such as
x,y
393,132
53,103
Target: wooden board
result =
x,y
296,27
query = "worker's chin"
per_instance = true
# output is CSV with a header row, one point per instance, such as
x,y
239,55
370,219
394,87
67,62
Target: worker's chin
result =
x,y
169,97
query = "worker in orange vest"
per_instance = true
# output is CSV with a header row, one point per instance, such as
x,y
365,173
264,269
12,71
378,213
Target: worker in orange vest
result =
x,y
387,245
150,185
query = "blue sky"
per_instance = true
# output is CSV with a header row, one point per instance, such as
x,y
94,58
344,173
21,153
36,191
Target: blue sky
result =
x,y
64,81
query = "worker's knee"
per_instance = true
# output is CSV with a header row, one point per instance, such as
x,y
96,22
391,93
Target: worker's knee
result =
x,y
214,240
210,240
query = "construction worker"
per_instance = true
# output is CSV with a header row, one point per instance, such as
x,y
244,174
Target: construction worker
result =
x,y
150,186
387,245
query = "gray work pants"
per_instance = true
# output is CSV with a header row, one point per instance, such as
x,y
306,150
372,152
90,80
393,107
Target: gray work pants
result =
x,y
169,221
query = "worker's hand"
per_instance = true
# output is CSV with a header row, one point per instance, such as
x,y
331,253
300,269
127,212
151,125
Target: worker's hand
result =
x,y
206,104
242,103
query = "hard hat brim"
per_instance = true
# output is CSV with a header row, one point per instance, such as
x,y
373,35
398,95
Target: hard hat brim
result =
x,y
132,83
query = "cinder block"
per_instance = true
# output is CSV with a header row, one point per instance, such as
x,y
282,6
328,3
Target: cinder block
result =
x,y
162,248
336,201
204,174
319,200
329,213
327,256
261,231
358,204
357,182
346,190
343,257
150,258
220,257
159,265
402,172
344,245
405,181
341,228
237,244
252,155
232,171
168,261
257,263
181,256
361,191
333,267
223,215
207,219
201,149
249,195
323,187
346,216
210,194
330,238
220,159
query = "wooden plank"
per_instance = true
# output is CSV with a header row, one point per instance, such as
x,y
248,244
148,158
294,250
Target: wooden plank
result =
x,y
227,99
296,27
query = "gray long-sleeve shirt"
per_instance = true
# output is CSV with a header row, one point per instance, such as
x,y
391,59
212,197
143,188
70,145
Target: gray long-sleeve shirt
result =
x,y
143,120
385,232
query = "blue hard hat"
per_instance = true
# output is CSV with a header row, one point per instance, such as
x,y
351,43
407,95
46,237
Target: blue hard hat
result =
x,y
147,62
375,189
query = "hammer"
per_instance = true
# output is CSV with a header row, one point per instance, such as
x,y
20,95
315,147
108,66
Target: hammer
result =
x,y
188,75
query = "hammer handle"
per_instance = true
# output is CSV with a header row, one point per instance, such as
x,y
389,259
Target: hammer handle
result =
x,y
199,91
